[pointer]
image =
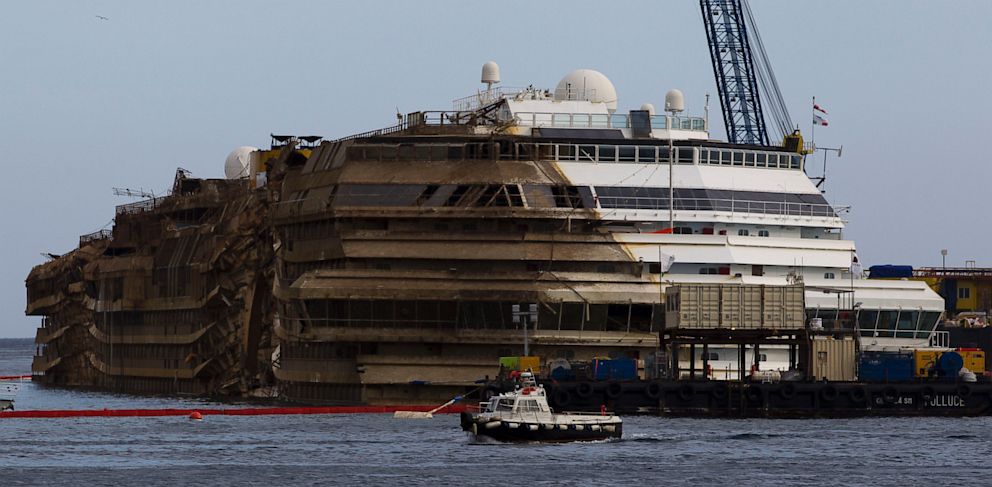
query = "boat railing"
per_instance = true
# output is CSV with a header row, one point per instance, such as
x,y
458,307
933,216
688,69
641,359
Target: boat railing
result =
x,y
940,339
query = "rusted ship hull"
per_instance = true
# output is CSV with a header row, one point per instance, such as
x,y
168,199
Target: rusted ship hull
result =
x,y
324,287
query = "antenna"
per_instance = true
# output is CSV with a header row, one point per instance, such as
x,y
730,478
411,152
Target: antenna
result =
x,y
822,179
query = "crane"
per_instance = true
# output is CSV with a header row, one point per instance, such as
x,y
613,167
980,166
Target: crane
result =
x,y
744,75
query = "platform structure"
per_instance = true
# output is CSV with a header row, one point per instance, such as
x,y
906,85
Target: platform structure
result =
x,y
742,316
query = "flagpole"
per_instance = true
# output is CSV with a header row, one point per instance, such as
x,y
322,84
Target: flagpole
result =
x,y
812,130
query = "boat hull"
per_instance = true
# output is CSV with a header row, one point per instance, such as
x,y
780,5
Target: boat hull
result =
x,y
523,432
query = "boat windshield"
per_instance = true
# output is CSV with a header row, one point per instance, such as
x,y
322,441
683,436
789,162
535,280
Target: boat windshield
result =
x,y
504,405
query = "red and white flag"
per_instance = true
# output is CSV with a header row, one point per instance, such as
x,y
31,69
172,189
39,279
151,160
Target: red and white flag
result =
x,y
818,120
819,109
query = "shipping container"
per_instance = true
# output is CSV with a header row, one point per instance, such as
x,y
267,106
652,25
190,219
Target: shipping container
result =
x,y
833,360
886,367
734,307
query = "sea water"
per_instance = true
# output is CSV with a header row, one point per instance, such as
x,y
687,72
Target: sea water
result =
x,y
376,449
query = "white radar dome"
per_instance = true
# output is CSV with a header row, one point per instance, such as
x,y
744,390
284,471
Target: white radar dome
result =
x,y
589,85
490,73
648,108
237,164
674,101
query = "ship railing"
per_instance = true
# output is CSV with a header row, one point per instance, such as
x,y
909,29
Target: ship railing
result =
x,y
710,204
98,235
375,133
483,98
443,118
140,206
959,272
430,118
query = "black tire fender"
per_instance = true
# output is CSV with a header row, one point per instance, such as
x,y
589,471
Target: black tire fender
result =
x,y
653,390
614,390
964,391
787,391
584,389
719,391
858,394
755,392
686,392
828,393
561,398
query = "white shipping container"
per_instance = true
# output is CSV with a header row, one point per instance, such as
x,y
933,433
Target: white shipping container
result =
x,y
735,306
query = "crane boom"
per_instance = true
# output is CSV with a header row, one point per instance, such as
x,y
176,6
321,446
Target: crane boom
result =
x,y
733,67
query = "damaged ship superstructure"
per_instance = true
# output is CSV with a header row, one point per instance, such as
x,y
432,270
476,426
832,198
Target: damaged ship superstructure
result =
x,y
175,299
382,268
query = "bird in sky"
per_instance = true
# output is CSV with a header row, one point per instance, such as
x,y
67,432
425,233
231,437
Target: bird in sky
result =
x,y
102,17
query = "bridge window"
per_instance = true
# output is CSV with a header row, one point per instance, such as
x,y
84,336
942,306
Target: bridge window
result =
x,y
762,233
607,153
762,159
828,275
647,154
743,232
627,154
964,292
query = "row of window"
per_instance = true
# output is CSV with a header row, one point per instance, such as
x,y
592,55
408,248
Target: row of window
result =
x,y
603,153
476,315
885,323
547,196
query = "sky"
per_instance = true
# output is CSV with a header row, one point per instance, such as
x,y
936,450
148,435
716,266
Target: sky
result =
x,y
88,104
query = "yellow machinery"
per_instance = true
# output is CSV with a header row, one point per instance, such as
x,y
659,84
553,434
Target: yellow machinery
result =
x,y
926,360
974,359
794,143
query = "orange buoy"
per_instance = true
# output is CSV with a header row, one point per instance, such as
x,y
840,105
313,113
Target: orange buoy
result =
x,y
196,416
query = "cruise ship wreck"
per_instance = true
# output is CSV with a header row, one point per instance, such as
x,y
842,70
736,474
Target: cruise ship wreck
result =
x,y
382,268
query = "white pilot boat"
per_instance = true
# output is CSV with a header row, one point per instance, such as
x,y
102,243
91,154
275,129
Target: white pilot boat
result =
x,y
523,415
8,391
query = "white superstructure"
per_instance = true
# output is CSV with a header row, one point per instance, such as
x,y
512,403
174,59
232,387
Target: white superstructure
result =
x,y
741,213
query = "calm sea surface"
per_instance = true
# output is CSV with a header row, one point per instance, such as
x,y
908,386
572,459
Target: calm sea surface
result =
x,y
380,450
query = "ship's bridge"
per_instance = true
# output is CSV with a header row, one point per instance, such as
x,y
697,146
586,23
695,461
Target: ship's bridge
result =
x,y
552,117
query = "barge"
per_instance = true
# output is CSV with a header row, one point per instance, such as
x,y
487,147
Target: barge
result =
x,y
774,400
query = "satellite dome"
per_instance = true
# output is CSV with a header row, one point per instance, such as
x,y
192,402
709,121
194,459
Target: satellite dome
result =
x,y
490,73
674,101
237,164
589,85
648,108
